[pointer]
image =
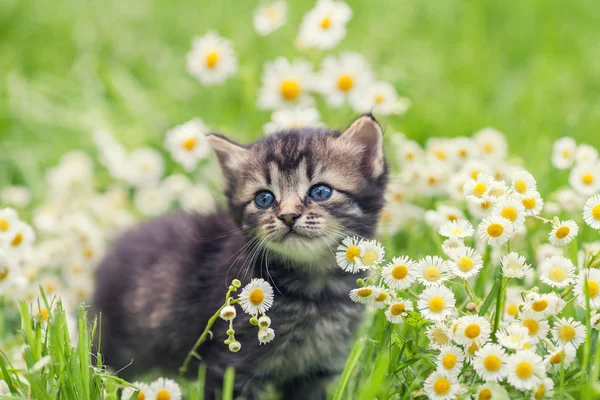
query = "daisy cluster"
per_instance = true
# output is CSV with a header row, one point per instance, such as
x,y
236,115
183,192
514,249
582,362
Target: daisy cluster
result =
x,y
288,86
160,389
526,340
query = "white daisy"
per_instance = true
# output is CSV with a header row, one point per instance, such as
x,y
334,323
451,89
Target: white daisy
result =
x,y
586,154
380,98
497,190
525,369
472,328
286,84
585,178
381,299
371,254
473,168
569,200
144,391
466,262
491,390
343,77
533,204
348,254
438,335
590,278
324,26
563,355
165,389
439,149
480,210
409,153
514,337
595,321
557,272
228,313
9,221
463,149
441,385
563,233
16,196
265,335
450,359
21,238
256,297
432,270
212,59
145,167
514,265
451,244
490,362
397,309
400,274
545,305
187,143
591,212
492,144
544,390
269,17
524,184
512,209
456,186
293,118
568,332
8,271
152,201
511,303
563,153
364,295
537,326
546,250
495,230
477,189
457,228
436,303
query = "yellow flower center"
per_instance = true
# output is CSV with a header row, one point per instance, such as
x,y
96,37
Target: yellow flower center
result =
x,y
512,309
595,213
449,361
463,153
386,216
290,89
593,288
397,309
345,82
256,297
520,186
440,154
189,144
364,292
566,154
441,386
410,156
17,240
539,305
495,230
479,189
141,396
557,274
485,205
488,148
452,217
436,304
532,325
398,196
440,337
509,213
352,253
379,99
472,348
369,258
539,394
524,370
163,394
562,232
587,179
465,264
566,332
211,59
432,273
556,358
485,394
88,253
492,362
431,180
399,272
475,173
326,23
4,225
472,331
529,203
382,296
3,273
44,314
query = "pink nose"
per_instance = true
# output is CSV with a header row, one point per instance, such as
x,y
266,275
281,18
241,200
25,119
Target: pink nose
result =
x,y
289,219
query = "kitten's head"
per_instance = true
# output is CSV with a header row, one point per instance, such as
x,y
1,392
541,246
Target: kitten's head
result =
x,y
299,192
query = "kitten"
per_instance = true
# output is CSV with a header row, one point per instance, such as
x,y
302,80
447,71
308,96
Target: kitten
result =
x,y
295,194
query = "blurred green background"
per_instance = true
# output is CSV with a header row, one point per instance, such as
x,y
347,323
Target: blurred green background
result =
x,y
529,68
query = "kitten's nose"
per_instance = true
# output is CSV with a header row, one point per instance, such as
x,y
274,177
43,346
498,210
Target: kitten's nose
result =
x,y
289,219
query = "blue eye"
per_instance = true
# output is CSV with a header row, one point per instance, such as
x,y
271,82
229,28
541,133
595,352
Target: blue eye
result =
x,y
320,192
264,199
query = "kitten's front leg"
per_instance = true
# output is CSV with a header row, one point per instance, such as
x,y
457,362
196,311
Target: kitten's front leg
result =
x,y
311,385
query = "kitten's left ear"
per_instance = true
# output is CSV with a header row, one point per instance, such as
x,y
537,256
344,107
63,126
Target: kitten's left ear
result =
x,y
366,132
229,154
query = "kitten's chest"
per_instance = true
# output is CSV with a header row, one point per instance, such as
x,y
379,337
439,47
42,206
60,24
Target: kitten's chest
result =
x,y
310,336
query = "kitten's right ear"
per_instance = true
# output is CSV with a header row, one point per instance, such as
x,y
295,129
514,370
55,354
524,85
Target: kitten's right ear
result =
x,y
229,153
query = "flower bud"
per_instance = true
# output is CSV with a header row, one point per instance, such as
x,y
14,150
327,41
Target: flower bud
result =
x,y
254,321
264,321
228,313
236,283
230,332
235,346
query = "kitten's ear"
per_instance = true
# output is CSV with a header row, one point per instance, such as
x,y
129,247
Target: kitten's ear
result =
x,y
366,132
229,153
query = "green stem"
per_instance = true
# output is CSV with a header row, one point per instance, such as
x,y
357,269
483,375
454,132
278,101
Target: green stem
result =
x,y
499,302
471,293
204,335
